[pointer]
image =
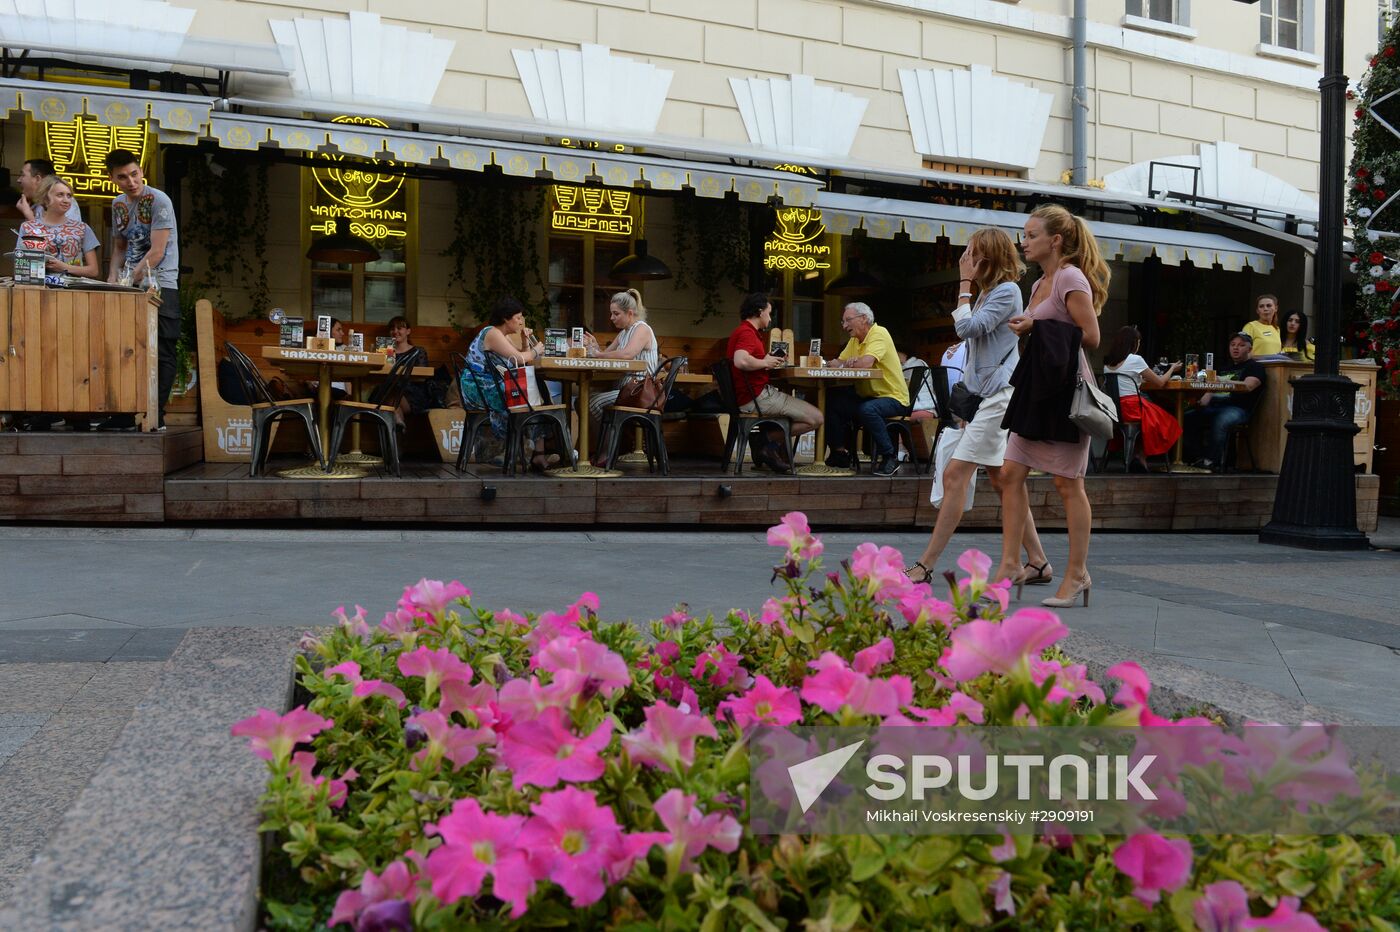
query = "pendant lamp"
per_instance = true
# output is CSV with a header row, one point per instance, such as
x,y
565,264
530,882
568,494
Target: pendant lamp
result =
x,y
855,282
340,247
640,265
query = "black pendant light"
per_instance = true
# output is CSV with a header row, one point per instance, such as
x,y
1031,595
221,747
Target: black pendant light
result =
x,y
640,266
341,247
855,282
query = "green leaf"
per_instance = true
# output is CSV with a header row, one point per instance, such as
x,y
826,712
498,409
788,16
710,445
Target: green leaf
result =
x,y
751,911
967,901
1181,904
867,865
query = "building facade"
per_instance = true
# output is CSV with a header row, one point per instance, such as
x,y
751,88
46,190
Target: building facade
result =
x,y
882,127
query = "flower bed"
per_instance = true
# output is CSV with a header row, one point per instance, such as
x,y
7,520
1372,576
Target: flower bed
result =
x,y
455,766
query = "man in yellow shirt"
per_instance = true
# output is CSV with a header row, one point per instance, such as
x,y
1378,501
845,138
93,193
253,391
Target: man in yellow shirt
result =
x,y
870,402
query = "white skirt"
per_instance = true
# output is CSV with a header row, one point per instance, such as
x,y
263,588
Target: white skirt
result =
x,y
984,441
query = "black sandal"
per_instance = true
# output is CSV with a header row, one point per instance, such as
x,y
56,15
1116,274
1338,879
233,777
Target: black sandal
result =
x,y
909,571
1041,577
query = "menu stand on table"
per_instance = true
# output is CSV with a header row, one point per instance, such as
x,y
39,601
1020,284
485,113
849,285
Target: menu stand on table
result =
x,y
808,377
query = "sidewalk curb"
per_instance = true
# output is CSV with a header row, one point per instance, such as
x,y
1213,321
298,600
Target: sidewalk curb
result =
x,y
165,834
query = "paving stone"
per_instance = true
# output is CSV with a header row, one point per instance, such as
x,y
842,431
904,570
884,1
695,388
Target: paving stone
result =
x,y
41,687
64,622
77,646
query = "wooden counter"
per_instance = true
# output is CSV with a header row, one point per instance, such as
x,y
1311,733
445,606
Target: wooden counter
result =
x,y
78,352
1267,431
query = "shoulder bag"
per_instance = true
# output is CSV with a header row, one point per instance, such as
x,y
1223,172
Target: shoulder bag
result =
x,y
646,390
1092,411
963,402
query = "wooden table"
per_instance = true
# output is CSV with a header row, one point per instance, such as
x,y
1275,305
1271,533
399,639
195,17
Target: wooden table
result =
x,y
1180,389
327,364
807,377
70,351
584,370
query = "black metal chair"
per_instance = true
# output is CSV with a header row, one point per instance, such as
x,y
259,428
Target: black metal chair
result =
x,y
381,407
520,419
902,425
473,418
1129,432
267,410
617,417
741,423
1232,439
942,395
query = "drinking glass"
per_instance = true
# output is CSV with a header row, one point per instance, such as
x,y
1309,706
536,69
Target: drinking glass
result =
x,y
1193,365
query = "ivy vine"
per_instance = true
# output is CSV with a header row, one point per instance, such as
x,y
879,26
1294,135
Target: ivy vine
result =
x,y
711,247
228,219
494,250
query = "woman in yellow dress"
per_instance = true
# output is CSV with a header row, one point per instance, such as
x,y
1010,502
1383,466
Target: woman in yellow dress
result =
x,y
1295,338
1264,331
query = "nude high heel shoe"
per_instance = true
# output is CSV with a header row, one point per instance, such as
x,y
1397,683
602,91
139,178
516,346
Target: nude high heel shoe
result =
x,y
1068,601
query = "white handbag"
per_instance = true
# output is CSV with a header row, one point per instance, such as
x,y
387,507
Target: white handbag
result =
x,y
1092,411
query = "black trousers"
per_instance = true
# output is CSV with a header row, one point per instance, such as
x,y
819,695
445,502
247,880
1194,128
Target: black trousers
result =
x,y
168,334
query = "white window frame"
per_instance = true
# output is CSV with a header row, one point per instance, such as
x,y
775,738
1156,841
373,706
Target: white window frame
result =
x,y
1306,27
1135,17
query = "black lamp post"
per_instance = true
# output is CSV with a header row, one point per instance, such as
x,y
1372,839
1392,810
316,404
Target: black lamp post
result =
x,y
1315,501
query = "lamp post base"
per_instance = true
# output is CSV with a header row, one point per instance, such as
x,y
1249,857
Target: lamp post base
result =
x,y
1315,502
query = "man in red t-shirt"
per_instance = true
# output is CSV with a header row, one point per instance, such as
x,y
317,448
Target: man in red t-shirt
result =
x,y
749,363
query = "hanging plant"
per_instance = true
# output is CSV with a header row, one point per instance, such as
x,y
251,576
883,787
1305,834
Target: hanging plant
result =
x,y
711,238
494,250
227,222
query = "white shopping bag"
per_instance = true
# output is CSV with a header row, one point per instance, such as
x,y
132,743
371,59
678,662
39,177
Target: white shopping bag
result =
x,y
520,388
947,445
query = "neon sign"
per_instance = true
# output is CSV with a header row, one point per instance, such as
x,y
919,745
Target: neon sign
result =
x,y
580,210
359,195
794,245
77,149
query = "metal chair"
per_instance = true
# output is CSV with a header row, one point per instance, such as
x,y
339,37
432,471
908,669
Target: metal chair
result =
x,y
381,407
902,425
519,419
617,417
266,410
473,419
1232,445
938,381
1130,432
736,440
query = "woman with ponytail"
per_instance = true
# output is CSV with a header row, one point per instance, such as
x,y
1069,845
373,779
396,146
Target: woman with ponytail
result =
x,y
1062,321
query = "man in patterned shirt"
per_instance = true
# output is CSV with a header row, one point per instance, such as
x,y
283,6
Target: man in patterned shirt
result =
x,y
145,241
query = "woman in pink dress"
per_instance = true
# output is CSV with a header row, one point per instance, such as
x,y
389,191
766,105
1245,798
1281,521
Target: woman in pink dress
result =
x,y
1071,290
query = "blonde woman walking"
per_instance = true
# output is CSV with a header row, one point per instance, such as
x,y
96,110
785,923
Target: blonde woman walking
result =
x,y
1062,321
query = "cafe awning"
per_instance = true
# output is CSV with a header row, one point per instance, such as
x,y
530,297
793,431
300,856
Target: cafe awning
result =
x,y
185,119
883,218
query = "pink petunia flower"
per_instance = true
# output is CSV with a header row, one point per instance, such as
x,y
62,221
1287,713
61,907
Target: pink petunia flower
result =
x,y
522,699
305,762
1135,688
1224,907
1001,894
1071,681
835,685
400,623
764,704
1001,646
1154,864
362,687
551,625
873,657
882,570
693,831
676,618
578,845
445,740
977,565
1286,916
356,625
667,739
434,667
272,736
585,660
395,884
795,534
543,751
429,598
719,666
477,703
477,844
